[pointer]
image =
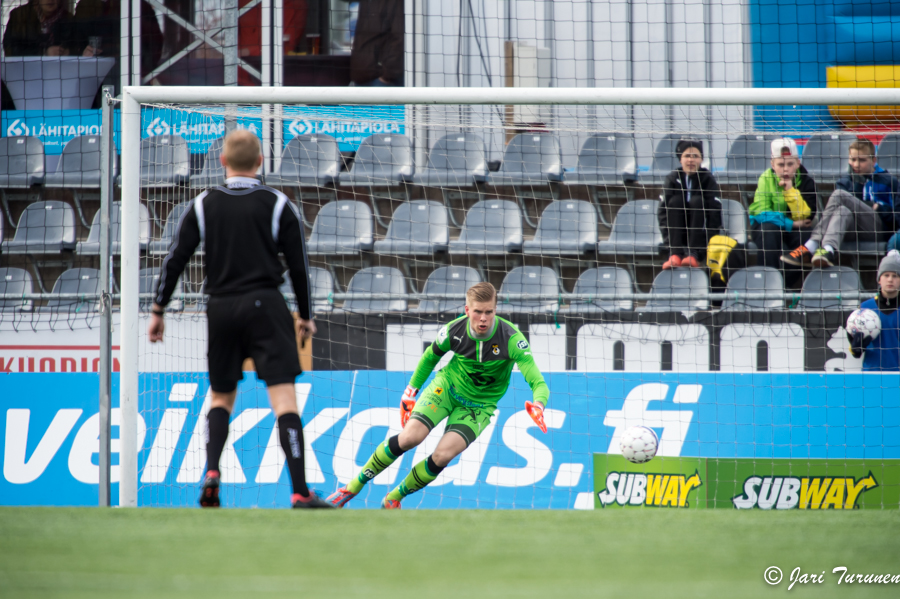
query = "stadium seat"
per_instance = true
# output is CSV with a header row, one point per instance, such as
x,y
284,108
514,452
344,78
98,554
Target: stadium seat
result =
x,y
15,281
748,157
417,228
376,279
605,159
80,281
567,227
21,162
605,279
753,279
213,173
455,160
679,280
734,220
635,231
835,279
308,160
530,159
91,247
665,161
825,156
382,160
320,281
447,279
148,279
79,165
342,227
491,227
160,247
165,161
531,280
44,228
888,153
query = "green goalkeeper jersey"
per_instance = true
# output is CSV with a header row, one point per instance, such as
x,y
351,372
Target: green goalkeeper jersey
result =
x,y
480,370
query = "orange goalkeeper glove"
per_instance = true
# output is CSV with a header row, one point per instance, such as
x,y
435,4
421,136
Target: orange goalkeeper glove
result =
x,y
536,411
407,403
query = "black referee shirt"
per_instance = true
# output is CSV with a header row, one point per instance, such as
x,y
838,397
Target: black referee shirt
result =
x,y
243,226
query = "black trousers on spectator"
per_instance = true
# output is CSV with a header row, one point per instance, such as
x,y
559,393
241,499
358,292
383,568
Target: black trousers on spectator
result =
x,y
686,226
772,241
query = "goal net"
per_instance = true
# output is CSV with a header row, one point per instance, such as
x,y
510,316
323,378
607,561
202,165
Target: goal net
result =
x,y
570,208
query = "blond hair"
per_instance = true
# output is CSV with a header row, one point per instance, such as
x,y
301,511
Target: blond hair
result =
x,y
863,145
241,151
481,292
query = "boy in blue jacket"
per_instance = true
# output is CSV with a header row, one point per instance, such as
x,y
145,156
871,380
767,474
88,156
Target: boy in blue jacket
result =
x,y
883,352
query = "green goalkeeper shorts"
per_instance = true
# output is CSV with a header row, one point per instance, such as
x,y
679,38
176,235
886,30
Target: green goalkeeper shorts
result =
x,y
438,401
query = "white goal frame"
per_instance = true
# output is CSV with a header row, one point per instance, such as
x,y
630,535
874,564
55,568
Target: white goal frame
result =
x,y
133,97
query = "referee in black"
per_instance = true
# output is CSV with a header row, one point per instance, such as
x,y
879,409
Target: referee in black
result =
x,y
243,227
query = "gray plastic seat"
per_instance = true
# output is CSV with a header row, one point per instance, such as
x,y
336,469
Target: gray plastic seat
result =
x,y
91,246
635,232
825,156
320,281
79,165
376,279
447,279
417,228
665,160
148,280
82,281
748,157
753,279
342,227
308,160
44,228
21,162
604,279
836,279
15,281
679,280
605,159
455,160
530,159
491,227
734,220
384,159
567,227
531,280
889,153
165,161
160,246
213,173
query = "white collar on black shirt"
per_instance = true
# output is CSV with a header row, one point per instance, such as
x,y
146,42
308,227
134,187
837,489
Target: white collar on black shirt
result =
x,y
241,182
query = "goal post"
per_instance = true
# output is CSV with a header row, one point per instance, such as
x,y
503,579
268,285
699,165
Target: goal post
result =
x,y
134,98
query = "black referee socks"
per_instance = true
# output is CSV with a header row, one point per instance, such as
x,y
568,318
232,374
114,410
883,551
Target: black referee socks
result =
x,y
290,432
216,435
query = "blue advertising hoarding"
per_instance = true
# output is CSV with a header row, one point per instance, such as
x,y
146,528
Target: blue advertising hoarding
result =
x,y
50,426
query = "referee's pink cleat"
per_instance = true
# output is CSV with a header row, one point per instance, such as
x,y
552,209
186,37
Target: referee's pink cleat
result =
x,y
340,497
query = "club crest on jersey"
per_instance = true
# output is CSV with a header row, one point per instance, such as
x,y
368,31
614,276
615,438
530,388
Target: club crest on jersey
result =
x,y
495,349
522,344
438,390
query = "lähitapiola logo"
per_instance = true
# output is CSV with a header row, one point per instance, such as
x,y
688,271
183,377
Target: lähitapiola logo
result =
x,y
158,127
16,128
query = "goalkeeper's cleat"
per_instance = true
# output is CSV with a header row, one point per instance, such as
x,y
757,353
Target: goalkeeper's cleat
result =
x,y
536,411
340,497
313,501
390,504
209,492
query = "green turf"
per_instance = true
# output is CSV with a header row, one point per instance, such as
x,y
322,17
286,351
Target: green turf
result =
x,y
89,552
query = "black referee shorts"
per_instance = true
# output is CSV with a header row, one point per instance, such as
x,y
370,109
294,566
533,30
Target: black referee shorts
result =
x,y
257,325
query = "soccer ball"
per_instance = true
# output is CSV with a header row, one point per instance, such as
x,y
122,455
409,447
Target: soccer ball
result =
x,y
639,444
864,321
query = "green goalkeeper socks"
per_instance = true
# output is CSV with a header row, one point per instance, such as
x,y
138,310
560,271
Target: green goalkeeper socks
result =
x,y
419,477
385,455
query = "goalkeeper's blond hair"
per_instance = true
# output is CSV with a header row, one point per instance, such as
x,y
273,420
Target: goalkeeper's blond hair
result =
x,y
481,292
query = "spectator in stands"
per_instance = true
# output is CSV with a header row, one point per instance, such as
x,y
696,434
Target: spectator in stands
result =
x,y
784,206
376,58
883,352
40,28
865,205
690,212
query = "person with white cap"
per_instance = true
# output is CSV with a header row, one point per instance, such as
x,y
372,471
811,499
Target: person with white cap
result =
x,y
883,352
783,207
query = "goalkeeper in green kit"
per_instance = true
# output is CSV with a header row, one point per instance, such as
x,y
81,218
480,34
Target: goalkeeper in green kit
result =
x,y
465,392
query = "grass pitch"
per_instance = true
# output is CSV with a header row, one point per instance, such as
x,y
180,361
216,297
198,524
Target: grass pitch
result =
x,y
90,552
